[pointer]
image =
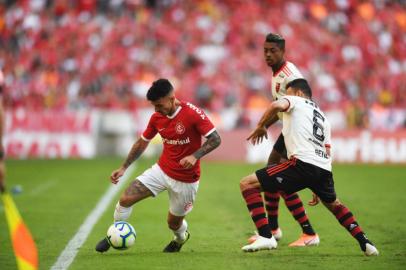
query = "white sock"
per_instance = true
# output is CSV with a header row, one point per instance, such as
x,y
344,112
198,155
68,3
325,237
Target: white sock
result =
x,y
122,213
180,233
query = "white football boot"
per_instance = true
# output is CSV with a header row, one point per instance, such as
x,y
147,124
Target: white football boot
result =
x,y
276,233
371,250
261,243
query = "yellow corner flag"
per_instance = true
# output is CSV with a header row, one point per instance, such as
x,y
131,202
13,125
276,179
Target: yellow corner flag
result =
x,y
23,243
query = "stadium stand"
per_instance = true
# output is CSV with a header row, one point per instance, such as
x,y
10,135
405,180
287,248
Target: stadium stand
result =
x,y
62,55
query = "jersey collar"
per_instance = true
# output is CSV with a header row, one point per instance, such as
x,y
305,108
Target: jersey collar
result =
x,y
175,113
280,69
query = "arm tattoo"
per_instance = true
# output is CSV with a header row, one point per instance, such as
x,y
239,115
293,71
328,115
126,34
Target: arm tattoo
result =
x,y
137,188
212,142
136,150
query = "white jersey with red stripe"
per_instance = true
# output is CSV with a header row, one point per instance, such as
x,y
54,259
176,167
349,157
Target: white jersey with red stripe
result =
x,y
307,132
287,73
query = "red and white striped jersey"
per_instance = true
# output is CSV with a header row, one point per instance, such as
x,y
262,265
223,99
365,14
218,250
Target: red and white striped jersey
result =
x,y
287,73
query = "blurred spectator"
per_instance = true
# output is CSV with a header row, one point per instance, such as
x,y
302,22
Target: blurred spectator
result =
x,y
101,54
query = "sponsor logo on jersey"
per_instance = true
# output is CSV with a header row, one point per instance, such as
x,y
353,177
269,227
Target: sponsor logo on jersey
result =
x,y
279,179
277,87
177,141
180,128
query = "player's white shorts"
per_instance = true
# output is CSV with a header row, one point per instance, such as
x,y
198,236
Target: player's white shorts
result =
x,y
181,195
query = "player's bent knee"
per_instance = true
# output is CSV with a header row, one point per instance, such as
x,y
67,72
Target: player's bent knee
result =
x,y
333,206
249,182
244,183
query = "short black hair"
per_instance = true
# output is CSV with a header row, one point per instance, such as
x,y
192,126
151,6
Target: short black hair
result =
x,y
276,38
302,85
159,89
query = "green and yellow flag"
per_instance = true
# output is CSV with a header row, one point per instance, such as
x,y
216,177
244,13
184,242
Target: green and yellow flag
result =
x,y
23,243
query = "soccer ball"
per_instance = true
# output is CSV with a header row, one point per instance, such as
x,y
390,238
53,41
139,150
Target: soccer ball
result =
x,y
121,235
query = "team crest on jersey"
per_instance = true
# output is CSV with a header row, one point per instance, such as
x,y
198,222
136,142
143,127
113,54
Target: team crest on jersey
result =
x,y
281,76
188,206
278,87
180,128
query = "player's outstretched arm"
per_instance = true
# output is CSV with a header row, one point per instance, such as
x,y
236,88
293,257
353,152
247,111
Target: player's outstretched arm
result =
x,y
136,150
212,142
271,121
268,118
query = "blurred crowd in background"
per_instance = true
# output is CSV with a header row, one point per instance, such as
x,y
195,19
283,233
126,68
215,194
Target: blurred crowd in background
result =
x,y
59,55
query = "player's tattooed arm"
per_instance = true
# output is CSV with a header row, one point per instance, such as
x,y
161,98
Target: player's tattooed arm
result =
x,y
137,188
136,150
212,142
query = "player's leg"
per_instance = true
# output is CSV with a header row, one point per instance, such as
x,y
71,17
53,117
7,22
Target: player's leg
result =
x,y
348,221
146,185
277,155
251,191
181,198
292,201
134,193
324,188
286,177
179,227
296,208
272,198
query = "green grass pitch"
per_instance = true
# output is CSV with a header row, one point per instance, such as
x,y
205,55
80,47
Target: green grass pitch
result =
x,y
59,194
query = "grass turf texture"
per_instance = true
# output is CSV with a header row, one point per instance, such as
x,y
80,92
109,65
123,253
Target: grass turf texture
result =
x,y
59,194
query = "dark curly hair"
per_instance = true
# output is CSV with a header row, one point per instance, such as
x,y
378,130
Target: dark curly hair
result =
x,y
159,89
276,38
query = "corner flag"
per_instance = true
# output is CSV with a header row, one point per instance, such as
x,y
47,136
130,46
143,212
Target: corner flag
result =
x,y
23,243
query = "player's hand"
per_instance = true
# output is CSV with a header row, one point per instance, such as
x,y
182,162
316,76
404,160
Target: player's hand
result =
x,y
115,175
188,162
314,201
257,136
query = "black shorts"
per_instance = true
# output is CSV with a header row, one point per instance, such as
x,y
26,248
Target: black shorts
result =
x,y
294,175
280,147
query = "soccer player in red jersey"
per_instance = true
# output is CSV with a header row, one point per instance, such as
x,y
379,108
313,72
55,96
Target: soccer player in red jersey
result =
x,y
181,126
283,73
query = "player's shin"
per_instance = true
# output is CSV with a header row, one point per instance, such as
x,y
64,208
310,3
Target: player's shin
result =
x,y
180,234
347,220
256,208
122,213
295,206
272,206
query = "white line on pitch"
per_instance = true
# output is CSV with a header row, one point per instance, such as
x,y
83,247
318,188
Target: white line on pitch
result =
x,y
38,190
69,253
